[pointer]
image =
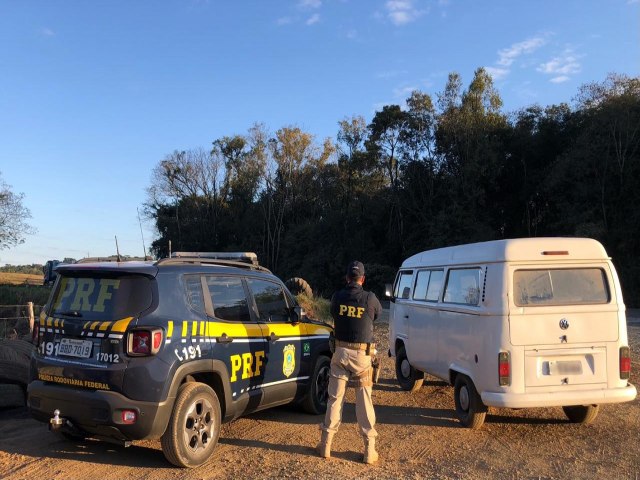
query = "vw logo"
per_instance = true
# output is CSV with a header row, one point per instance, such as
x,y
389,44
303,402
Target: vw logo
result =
x,y
564,324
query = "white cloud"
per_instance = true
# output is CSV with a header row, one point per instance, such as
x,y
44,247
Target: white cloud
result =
x,y
561,67
390,73
404,92
315,18
310,3
401,12
507,56
47,32
283,21
497,73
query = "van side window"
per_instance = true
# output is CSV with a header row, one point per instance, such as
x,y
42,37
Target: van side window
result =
x,y
403,285
463,286
435,285
562,286
428,285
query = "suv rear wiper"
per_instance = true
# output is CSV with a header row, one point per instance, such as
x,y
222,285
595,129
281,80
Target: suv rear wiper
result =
x,y
71,313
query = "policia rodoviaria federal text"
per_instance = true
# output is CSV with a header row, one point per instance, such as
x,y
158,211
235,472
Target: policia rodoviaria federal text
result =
x,y
354,310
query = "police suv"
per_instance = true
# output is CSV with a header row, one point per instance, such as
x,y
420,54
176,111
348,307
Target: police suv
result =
x,y
170,349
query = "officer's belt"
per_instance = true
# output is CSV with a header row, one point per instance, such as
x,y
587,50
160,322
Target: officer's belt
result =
x,y
355,345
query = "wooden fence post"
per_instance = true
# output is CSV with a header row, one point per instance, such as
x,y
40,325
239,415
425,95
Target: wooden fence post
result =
x,y
31,316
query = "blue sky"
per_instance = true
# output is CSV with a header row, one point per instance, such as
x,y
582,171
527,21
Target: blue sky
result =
x,y
93,94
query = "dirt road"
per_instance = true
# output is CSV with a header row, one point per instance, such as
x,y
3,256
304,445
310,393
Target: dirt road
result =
x,y
419,438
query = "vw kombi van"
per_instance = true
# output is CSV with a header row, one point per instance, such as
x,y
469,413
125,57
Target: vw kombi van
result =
x,y
519,323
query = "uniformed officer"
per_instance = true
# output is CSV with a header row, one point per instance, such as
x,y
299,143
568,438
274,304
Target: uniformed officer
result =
x,y
353,310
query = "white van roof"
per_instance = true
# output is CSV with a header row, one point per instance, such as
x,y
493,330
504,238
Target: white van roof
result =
x,y
550,249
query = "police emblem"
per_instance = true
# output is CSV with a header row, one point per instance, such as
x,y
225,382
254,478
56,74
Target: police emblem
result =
x,y
289,362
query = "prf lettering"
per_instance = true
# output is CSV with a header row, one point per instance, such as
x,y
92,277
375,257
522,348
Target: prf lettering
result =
x,y
250,364
349,311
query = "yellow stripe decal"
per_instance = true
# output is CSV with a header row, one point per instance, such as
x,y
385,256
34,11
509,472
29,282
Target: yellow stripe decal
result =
x,y
170,329
56,322
121,325
94,325
185,325
238,330
105,325
194,329
202,326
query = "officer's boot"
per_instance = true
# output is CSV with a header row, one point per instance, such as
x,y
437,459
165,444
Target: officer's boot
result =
x,y
324,447
370,454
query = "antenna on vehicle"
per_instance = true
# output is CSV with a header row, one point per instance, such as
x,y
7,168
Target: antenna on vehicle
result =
x,y
117,249
144,248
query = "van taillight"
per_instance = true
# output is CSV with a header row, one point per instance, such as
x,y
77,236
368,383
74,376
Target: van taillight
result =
x,y
504,368
144,342
625,363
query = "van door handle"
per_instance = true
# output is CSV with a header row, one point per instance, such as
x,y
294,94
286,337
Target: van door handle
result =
x,y
224,339
274,337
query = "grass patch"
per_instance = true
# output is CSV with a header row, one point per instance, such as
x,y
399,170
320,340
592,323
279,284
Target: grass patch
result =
x,y
22,294
317,308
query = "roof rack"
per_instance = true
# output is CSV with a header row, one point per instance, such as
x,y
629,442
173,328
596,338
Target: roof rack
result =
x,y
248,260
112,258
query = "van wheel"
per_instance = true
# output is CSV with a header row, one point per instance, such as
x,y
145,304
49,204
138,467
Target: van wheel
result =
x,y
581,413
408,377
194,426
469,407
317,396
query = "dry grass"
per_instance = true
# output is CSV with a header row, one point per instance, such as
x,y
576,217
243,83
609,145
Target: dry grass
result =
x,y
20,279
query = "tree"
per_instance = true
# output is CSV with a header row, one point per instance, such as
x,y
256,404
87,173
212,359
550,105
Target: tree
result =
x,y
13,216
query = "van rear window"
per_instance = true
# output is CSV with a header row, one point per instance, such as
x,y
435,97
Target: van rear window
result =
x,y
101,298
562,286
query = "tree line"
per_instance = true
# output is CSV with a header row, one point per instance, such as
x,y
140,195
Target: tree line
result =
x,y
434,172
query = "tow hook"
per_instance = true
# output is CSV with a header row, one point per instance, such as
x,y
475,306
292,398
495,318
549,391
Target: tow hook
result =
x,y
56,422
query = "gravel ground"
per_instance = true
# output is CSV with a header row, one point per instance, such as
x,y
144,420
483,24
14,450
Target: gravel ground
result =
x,y
419,438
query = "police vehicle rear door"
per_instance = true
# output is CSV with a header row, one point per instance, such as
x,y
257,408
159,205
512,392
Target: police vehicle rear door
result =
x,y
285,368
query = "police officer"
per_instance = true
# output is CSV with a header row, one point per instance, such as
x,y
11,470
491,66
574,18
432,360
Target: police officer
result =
x,y
353,310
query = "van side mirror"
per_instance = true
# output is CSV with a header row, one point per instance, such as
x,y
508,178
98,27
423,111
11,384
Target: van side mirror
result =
x,y
388,290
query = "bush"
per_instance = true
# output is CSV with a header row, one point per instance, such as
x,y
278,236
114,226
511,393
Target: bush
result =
x,y
317,308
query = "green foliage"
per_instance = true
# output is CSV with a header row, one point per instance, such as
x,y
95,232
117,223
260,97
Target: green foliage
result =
x,y
33,269
432,174
22,294
317,308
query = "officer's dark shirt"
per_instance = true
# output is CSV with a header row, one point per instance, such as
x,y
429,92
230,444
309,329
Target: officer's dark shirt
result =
x,y
354,310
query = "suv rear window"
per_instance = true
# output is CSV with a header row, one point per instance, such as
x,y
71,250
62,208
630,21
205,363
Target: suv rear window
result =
x,y
566,286
101,298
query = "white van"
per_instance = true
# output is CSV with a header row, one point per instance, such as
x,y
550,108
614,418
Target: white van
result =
x,y
531,322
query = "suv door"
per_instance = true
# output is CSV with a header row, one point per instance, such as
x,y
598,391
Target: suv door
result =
x,y
284,368
237,338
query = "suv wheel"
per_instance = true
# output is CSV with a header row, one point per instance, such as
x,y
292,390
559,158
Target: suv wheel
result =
x,y
408,377
194,426
317,396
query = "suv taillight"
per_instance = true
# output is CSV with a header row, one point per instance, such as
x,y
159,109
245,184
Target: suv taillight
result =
x,y
504,369
144,342
625,363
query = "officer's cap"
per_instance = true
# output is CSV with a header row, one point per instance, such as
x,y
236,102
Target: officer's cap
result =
x,y
355,269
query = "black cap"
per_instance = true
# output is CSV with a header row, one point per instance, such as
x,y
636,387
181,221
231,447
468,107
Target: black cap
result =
x,y
355,269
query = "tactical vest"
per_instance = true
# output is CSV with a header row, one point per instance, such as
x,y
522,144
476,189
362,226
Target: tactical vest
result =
x,y
353,314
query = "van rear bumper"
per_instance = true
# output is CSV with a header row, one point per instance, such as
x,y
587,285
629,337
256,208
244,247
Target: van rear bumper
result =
x,y
559,399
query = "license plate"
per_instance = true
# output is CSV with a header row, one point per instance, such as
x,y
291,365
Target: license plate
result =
x,y
571,367
75,348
